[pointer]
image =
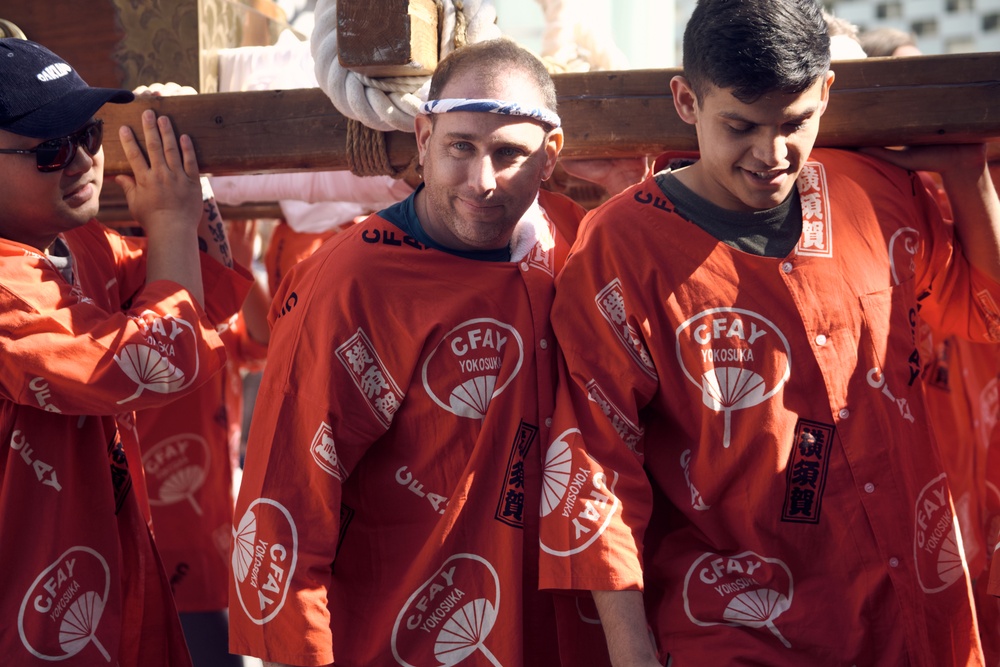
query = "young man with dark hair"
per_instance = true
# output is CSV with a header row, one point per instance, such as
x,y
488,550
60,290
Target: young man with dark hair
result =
x,y
92,327
741,456
388,510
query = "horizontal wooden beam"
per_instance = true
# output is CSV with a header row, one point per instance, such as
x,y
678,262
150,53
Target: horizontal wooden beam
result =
x,y
881,101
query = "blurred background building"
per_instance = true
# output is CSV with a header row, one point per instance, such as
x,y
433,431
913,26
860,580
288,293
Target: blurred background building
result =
x,y
649,32
940,26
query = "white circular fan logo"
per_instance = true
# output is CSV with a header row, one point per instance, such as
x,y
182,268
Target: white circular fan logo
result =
x,y
176,468
578,501
61,612
462,373
149,365
939,558
450,616
263,564
737,358
746,589
556,473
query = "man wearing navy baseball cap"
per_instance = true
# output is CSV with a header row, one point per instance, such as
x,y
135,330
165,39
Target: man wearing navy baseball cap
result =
x,y
92,327
41,96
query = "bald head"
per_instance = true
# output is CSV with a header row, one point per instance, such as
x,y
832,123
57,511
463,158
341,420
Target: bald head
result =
x,y
497,69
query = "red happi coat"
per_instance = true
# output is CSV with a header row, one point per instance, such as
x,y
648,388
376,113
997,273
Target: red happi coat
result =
x,y
745,439
84,585
388,509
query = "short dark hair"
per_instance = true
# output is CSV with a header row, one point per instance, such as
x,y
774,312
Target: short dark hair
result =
x,y
881,42
489,57
755,47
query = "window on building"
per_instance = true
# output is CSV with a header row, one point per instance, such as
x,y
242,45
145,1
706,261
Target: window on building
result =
x,y
966,44
991,22
956,6
889,10
928,28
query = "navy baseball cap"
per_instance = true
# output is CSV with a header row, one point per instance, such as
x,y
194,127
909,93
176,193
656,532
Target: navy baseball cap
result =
x,y
41,96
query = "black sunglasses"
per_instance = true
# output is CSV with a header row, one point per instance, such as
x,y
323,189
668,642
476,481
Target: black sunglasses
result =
x,y
56,154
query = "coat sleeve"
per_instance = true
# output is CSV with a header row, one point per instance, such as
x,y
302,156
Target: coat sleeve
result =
x,y
326,396
955,298
597,497
95,362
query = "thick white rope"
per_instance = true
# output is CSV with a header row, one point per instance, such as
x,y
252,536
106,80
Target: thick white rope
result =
x,y
391,103
569,45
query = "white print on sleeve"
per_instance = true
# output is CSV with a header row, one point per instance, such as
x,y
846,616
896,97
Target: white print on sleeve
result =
x,y
587,503
450,616
729,354
989,408
61,613
611,302
176,468
630,432
43,394
264,560
462,371
746,589
903,248
937,541
697,502
150,365
371,376
45,473
324,452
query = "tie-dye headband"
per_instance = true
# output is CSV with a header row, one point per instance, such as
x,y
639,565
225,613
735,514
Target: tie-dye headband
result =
x,y
543,116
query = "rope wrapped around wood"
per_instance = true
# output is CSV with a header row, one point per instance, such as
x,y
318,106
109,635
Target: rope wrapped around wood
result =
x,y
367,154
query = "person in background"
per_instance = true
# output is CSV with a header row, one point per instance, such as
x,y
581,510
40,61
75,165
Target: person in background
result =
x,y
884,42
844,43
92,327
741,462
191,458
960,388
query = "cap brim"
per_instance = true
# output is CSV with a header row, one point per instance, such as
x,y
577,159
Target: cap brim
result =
x,y
66,114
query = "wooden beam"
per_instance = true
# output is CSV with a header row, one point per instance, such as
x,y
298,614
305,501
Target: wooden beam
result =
x,y
400,38
246,132
882,101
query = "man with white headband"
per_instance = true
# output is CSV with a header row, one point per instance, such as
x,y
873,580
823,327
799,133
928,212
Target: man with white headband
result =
x,y
389,506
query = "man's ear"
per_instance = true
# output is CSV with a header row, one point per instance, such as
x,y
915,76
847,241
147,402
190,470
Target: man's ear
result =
x,y
553,146
825,99
685,101
422,127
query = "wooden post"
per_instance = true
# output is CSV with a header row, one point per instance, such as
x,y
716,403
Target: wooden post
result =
x,y
400,38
